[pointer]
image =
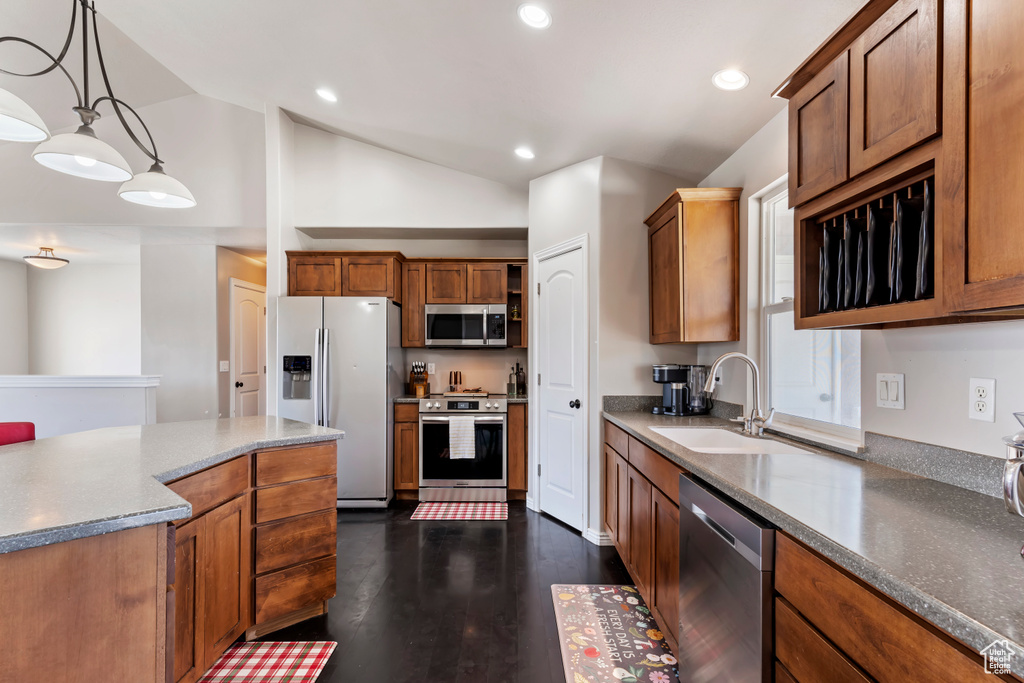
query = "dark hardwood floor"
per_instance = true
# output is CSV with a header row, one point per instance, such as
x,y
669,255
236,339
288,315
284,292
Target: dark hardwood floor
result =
x,y
451,601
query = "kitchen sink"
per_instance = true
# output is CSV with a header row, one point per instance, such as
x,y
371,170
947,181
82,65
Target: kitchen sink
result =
x,y
704,440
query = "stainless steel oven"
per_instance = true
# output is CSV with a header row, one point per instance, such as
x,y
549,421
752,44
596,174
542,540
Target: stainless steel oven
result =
x,y
465,325
463,452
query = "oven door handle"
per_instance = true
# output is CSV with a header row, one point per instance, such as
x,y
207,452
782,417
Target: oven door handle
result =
x,y
444,418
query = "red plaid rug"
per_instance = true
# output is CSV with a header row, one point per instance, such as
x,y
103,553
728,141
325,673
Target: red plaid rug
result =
x,y
270,663
461,511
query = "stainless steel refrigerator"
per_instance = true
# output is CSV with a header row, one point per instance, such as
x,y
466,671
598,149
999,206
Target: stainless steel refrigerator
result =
x,y
340,363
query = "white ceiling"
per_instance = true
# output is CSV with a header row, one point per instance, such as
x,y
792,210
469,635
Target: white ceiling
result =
x,y
463,82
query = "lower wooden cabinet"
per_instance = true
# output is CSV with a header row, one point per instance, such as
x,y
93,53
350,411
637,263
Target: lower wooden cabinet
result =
x,y
407,451
189,590
517,447
641,514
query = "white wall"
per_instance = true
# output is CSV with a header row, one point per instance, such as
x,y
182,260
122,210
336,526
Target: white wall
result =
x,y
759,162
62,405
215,148
340,182
179,329
85,320
13,318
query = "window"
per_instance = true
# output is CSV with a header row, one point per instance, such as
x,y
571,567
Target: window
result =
x,y
812,377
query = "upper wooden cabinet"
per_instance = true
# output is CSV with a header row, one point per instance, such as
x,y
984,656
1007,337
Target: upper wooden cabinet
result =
x,y
446,283
936,95
894,83
486,283
693,248
818,124
371,276
313,275
414,296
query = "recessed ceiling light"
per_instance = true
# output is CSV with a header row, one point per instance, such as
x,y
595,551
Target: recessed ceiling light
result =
x,y
730,79
534,16
524,152
326,94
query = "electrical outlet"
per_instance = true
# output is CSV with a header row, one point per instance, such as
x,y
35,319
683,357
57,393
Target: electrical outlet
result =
x,y
225,366
889,391
982,399
431,370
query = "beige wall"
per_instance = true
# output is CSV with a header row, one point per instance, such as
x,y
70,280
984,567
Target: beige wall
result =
x,y
231,264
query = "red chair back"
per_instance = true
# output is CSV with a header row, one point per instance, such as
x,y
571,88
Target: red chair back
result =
x,y
16,432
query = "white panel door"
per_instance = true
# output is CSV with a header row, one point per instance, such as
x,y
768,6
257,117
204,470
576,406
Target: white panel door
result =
x,y
561,355
248,362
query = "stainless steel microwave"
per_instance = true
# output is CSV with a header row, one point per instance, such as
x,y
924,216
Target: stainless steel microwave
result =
x,y
465,325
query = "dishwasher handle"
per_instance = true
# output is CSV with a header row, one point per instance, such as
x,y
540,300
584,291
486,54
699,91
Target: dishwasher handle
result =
x,y
713,525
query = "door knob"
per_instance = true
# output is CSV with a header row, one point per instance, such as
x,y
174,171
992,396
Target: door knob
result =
x,y
574,404
239,385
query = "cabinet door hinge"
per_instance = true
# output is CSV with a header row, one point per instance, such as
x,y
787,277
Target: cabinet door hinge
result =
x,y
538,289
538,469
538,379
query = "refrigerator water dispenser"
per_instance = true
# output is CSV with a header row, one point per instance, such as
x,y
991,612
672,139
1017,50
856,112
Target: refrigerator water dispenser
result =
x,y
298,371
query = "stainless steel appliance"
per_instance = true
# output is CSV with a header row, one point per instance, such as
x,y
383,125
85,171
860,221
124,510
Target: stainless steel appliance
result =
x,y
682,390
1013,478
341,363
726,558
465,325
471,468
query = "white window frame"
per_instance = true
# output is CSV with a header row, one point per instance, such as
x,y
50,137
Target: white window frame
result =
x,y
835,435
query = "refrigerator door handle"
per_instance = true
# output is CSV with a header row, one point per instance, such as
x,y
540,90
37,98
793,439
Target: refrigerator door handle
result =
x,y
317,357
326,383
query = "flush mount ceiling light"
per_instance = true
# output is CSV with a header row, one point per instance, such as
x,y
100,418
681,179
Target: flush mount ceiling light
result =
x,y
46,259
730,79
81,153
326,94
534,16
524,153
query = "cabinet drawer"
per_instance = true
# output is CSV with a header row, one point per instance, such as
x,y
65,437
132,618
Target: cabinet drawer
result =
x,y
278,502
407,412
885,640
805,654
289,590
282,544
293,464
616,438
661,472
207,489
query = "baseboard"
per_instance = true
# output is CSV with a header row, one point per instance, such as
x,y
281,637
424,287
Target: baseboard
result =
x,y
598,537
530,503
260,630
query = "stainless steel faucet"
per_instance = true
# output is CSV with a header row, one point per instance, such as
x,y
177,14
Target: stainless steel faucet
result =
x,y
755,424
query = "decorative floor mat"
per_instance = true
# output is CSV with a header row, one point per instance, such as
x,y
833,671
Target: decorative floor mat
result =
x,y
607,634
270,663
434,510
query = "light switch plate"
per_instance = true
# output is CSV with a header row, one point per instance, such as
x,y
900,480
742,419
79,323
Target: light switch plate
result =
x,y
981,403
225,366
890,391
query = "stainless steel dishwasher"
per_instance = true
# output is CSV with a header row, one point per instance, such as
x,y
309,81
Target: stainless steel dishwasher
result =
x,y
726,556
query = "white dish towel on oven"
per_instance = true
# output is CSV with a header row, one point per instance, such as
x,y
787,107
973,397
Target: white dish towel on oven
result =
x,y
462,437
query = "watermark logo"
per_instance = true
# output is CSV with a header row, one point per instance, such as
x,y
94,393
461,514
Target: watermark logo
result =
x,y
998,657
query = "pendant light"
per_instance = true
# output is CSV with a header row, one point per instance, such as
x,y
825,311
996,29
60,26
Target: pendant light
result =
x,y
81,153
18,121
156,188
46,259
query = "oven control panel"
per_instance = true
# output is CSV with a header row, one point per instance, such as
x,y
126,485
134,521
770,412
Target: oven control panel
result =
x,y
448,405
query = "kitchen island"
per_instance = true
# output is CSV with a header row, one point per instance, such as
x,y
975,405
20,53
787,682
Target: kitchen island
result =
x,y
95,527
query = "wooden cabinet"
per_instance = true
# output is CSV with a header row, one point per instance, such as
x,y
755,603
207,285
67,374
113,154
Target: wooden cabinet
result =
x,y
189,640
227,558
693,250
894,83
446,283
487,283
371,276
313,275
517,299
641,513
818,129
407,447
517,448
830,626
414,296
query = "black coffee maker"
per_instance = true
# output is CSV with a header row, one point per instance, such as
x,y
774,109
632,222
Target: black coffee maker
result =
x,y
682,391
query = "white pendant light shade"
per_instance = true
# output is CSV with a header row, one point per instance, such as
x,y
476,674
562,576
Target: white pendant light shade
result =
x,y
156,188
81,154
18,121
45,259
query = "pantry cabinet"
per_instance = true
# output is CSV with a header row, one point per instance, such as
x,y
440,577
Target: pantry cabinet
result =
x,y
693,257
414,296
935,98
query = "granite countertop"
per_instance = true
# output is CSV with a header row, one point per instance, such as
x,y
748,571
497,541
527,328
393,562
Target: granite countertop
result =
x,y
949,554
413,399
90,483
